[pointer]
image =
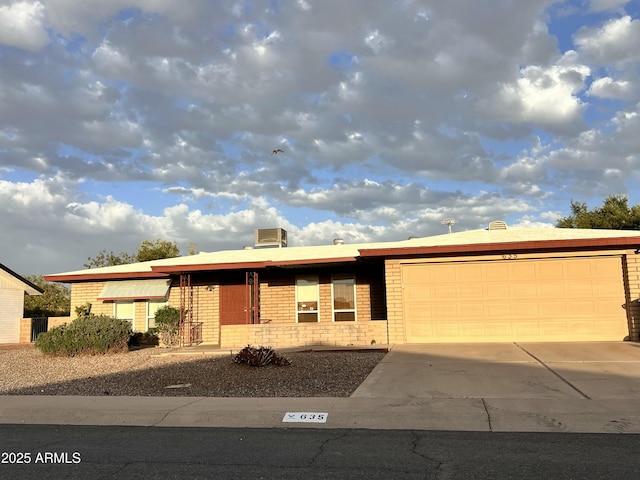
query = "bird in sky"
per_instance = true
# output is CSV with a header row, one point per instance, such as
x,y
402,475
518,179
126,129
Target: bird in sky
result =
x,y
276,151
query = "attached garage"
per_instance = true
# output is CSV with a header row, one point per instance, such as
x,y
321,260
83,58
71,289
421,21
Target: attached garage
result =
x,y
555,299
513,285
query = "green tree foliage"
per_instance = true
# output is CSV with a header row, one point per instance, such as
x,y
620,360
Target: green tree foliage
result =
x,y
54,302
156,249
108,259
614,213
148,250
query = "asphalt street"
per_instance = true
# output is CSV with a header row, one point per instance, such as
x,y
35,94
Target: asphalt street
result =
x,y
109,452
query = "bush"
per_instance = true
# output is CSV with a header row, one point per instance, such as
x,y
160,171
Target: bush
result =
x,y
259,357
91,334
168,325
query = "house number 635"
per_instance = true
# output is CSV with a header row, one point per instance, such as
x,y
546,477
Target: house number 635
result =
x,y
509,256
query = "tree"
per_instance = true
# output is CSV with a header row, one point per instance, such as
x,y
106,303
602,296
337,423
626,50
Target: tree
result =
x,y
154,250
54,302
613,214
108,259
148,250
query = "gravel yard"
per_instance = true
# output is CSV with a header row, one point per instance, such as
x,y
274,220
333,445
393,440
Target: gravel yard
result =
x,y
24,371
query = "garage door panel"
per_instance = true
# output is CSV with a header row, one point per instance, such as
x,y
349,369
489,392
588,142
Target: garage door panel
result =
x,y
526,329
496,291
523,290
519,300
554,329
550,289
416,293
549,271
580,290
493,272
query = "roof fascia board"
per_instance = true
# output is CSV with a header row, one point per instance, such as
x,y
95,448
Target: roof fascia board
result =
x,y
248,265
208,266
88,277
529,245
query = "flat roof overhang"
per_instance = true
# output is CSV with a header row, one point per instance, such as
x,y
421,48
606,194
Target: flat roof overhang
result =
x,y
175,269
507,247
102,276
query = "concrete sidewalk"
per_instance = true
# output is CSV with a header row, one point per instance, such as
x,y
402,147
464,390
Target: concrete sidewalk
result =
x,y
592,387
464,414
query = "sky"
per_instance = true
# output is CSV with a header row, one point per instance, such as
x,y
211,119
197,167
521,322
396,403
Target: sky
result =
x,y
131,120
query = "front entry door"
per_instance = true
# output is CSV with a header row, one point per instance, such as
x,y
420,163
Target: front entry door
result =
x,y
239,300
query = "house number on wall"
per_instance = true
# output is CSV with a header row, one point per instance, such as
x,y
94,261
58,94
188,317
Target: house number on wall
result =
x,y
509,256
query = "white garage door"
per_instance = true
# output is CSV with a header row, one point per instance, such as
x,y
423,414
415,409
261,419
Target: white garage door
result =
x,y
515,300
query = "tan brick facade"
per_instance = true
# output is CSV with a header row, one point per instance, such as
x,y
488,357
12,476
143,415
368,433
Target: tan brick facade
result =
x,y
305,334
395,315
632,266
379,305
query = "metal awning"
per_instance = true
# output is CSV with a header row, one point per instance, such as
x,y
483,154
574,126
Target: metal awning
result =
x,y
135,290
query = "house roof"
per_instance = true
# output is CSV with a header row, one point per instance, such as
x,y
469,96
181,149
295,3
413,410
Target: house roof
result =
x,y
10,278
468,242
512,240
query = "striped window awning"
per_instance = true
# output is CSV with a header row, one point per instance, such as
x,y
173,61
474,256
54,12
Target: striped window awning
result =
x,y
135,290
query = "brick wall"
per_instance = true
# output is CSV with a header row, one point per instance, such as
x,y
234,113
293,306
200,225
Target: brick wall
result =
x,y
278,298
633,289
25,326
82,293
206,308
305,334
25,330
12,301
395,317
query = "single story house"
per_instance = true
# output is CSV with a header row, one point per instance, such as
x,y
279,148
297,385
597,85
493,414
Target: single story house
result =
x,y
498,284
13,288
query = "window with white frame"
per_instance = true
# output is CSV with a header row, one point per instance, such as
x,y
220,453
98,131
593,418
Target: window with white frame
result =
x,y
307,298
152,307
344,298
123,310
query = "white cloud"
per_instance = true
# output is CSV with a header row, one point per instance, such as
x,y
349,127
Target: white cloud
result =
x,y
22,25
161,119
616,42
608,88
544,96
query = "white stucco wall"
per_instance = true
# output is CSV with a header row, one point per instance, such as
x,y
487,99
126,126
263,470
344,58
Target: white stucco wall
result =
x,y
11,310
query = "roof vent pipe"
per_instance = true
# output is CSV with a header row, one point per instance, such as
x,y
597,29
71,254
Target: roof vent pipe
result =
x,y
338,241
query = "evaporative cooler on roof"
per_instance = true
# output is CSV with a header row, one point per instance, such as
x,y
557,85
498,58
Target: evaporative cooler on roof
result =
x,y
270,237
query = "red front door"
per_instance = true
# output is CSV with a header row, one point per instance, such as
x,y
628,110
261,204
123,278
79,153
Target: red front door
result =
x,y
234,304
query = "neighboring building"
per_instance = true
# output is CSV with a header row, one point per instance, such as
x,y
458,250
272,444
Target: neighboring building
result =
x,y
13,288
494,285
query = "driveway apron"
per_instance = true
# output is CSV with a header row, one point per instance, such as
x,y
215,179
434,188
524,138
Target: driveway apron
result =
x,y
591,370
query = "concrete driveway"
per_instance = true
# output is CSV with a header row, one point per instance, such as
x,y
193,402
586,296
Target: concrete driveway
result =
x,y
585,370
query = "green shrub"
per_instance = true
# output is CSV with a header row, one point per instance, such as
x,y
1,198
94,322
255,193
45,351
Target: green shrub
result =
x,y
90,334
168,325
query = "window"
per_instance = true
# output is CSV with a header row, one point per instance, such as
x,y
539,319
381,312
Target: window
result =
x,y
123,310
152,308
307,298
344,299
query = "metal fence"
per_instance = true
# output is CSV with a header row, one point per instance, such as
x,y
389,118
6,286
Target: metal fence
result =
x,y
38,325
